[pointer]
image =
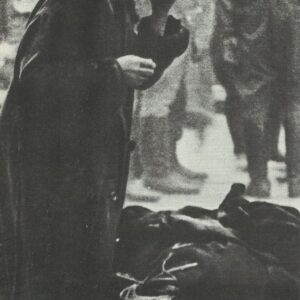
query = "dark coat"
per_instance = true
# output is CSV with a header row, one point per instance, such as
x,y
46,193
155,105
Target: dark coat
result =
x,y
294,57
65,146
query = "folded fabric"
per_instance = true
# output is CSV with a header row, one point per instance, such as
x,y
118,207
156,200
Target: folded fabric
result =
x,y
242,250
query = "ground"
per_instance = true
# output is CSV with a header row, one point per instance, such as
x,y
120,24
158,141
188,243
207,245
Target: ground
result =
x,y
215,157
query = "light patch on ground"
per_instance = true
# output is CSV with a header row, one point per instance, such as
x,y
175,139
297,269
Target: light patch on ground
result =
x,y
215,157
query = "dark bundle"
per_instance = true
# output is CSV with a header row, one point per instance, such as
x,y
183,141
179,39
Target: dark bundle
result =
x,y
242,250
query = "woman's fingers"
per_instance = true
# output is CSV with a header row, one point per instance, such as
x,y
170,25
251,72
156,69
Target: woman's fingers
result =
x,y
137,70
147,63
144,72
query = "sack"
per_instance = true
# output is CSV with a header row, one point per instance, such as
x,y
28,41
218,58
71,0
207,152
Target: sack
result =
x,y
243,250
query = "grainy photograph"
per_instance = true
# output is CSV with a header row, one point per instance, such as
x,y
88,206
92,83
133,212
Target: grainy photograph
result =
x,y
149,150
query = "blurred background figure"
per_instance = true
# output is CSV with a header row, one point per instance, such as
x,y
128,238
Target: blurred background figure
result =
x,y
153,131
249,61
182,98
157,135
198,77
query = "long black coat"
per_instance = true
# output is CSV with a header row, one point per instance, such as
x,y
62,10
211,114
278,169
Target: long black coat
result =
x,y
65,146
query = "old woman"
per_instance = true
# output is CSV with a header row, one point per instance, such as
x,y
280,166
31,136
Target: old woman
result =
x,y
65,141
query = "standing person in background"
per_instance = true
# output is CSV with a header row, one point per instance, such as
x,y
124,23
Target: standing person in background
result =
x,y
161,115
246,52
233,106
158,135
65,145
199,76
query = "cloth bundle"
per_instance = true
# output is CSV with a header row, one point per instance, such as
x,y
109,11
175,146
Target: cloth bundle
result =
x,y
242,250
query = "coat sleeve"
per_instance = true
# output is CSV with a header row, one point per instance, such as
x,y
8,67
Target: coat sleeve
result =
x,y
162,49
50,65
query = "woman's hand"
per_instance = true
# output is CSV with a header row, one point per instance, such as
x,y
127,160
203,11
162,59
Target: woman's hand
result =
x,y
137,70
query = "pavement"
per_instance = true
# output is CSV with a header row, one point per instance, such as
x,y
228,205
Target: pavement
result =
x,y
215,157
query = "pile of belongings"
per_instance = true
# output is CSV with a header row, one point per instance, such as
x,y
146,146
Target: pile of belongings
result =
x,y
241,251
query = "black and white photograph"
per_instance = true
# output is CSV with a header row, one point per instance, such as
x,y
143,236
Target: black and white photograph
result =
x,y
149,149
